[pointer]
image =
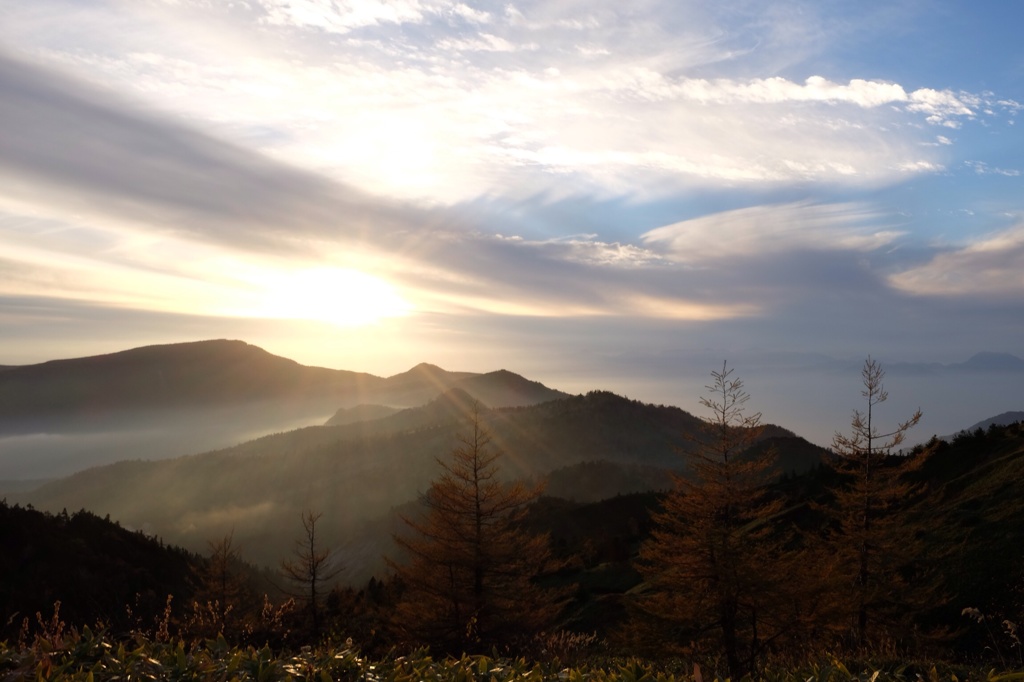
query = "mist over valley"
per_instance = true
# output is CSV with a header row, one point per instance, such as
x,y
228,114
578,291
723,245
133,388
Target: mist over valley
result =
x,y
273,439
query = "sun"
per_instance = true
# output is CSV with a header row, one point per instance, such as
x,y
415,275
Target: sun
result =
x,y
340,296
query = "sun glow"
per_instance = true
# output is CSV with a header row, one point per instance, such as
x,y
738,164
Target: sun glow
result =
x,y
340,296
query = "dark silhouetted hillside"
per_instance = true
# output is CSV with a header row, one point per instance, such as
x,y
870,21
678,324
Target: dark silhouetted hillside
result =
x,y
593,481
94,567
598,543
793,454
975,496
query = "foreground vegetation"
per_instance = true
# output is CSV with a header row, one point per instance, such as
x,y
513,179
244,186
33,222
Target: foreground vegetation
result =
x,y
95,657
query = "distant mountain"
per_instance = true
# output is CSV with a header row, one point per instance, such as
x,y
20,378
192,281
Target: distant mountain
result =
x,y
502,388
999,420
1003,362
1002,419
979,362
175,399
452,406
219,373
420,384
183,375
507,389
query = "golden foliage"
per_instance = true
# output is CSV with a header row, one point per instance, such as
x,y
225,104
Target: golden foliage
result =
x,y
471,575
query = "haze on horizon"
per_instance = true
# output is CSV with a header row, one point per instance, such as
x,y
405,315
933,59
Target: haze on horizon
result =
x,y
592,195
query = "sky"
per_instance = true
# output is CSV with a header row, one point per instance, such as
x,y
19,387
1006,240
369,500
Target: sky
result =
x,y
593,194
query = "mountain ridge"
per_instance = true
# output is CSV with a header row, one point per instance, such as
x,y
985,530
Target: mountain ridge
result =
x,y
169,400
217,371
166,375
983,361
362,471
987,360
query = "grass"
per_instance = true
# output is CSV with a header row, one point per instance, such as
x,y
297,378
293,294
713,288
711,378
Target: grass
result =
x,y
93,656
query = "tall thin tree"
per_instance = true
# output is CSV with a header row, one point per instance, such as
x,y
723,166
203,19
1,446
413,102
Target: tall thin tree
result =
x,y
871,539
469,579
710,558
221,587
311,570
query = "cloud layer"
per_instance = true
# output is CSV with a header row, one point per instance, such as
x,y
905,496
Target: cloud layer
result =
x,y
442,101
521,178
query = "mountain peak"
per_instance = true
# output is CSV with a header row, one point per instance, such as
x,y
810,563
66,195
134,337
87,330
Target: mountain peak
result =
x,y
998,420
421,371
427,368
994,361
508,389
211,372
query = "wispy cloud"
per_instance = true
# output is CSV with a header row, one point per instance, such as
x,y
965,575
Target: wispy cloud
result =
x,y
773,90
590,249
991,266
485,42
944,107
766,230
348,15
982,168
